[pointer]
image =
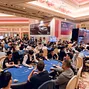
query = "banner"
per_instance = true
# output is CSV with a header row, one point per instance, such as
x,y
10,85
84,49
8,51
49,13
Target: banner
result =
x,y
66,28
83,36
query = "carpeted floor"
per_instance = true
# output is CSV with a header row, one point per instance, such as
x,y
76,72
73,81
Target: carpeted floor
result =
x,y
85,78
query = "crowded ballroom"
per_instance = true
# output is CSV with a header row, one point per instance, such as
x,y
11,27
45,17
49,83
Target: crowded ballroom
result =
x,y
44,44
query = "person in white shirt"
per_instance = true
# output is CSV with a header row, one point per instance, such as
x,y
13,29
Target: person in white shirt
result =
x,y
29,47
28,58
44,47
39,46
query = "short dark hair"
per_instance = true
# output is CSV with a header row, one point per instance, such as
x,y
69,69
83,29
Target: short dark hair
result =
x,y
70,55
39,43
88,47
68,63
40,65
5,77
31,52
44,44
8,53
40,51
33,46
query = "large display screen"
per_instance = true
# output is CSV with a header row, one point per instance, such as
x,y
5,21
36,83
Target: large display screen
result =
x,y
66,28
83,36
37,29
52,39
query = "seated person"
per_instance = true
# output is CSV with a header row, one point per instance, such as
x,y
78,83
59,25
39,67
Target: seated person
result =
x,y
5,80
44,47
65,76
8,62
69,57
52,55
15,56
34,49
39,46
40,77
28,58
61,54
39,56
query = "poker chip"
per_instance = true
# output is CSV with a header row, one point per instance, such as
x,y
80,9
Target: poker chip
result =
x,y
15,80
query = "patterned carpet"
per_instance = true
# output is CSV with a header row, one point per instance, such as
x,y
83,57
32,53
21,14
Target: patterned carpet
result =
x,y
85,79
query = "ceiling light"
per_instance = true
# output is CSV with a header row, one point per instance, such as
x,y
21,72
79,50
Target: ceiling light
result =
x,y
24,8
41,23
65,19
1,14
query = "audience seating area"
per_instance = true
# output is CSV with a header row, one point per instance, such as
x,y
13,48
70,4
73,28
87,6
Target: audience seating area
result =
x,y
59,53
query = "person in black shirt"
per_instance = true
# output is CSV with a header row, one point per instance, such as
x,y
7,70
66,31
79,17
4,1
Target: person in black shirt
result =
x,y
40,77
8,62
15,56
62,54
5,80
52,55
39,56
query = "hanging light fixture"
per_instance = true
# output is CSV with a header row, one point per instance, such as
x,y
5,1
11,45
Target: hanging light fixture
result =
x,y
41,23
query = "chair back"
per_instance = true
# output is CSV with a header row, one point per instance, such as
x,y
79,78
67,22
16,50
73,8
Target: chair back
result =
x,y
55,50
47,85
72,83
78,75
79,62
45,52
79,72
1,61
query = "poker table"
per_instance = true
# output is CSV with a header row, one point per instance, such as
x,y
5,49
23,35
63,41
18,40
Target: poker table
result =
x,y
21,73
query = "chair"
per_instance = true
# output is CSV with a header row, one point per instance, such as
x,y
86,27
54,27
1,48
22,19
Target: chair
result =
x,y
1,61
78,76
56,51
79,62
47,85
72,83
45,52
79,72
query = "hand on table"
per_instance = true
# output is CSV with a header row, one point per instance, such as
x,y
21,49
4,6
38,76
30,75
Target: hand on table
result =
x,y
33,71
58,66
52,69
30,66
12,63
17,66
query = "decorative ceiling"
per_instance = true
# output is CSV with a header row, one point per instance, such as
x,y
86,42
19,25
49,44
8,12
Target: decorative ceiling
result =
x,y
81,2
75,10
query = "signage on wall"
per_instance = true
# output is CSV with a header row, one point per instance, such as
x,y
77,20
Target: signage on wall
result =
x,y
84,34
52,39
66,28
1,37
40,29
83,25
13,29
